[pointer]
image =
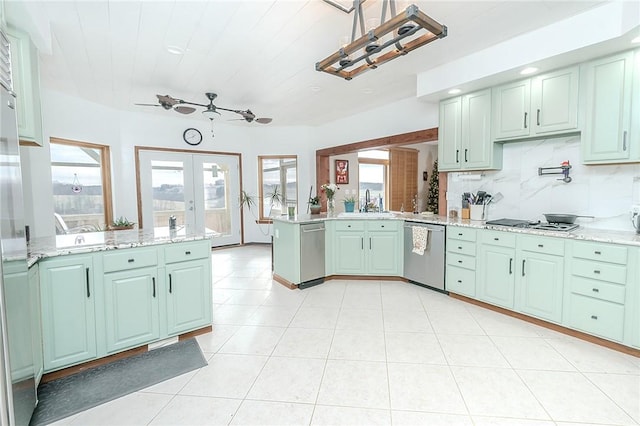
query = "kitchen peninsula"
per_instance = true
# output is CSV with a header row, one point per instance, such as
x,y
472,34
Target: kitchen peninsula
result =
x,y
585,280
107,292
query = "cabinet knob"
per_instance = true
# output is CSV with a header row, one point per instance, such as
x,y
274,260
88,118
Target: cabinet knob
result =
x,y
187,252
597,252
459,248
595,290
348,226
131,260
595,317
460,281
459,261
596,272
459,235
540,245
496,239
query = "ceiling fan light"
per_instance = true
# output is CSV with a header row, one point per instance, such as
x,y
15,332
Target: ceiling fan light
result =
x,y
210,113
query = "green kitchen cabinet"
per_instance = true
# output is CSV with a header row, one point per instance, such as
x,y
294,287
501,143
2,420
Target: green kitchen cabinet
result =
x,y
544,105
68,310
496,268
286,250
188,295
26,84
460,276
607,87
540,277
465,134
384,256
349,252
131,308
36,321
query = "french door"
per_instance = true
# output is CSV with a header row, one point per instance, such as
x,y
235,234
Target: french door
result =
x,y
200,190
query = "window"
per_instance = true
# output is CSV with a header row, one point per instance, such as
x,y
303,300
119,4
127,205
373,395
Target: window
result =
x,y
81,186
372,172
278,183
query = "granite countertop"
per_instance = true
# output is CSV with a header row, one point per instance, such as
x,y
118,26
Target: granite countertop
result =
x,y
60,245
582,233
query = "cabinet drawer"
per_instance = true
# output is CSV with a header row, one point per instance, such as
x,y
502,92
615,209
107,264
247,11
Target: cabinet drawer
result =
x,y
121,260
349,225
598,317
462,247
498,238
188,251
602,252
598,289
468,262
382,225
599,271
461,281
460,233
544,245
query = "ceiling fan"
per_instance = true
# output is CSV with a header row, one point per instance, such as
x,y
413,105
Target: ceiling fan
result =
x,y
180,105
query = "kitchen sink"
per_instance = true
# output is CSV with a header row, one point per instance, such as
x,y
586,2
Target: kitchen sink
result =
x,y
360,215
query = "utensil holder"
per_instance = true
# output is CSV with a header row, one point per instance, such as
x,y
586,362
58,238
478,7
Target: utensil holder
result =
x,y
476,212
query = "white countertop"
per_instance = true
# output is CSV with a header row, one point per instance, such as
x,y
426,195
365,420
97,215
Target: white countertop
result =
x,y
581,233
88,242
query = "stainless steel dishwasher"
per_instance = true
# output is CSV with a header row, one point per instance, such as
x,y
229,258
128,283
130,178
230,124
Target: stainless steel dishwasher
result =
x,y
426,269
311,254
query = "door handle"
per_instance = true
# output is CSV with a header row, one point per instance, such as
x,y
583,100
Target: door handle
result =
x,y
170,285
86,272
153,280
510,265
523,260
525,120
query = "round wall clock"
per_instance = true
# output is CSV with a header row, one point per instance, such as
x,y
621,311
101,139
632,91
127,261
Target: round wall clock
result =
x,y
192,136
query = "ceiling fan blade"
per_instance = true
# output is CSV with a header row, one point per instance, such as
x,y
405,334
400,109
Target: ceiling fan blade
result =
x,y
264,120
184,109
153,105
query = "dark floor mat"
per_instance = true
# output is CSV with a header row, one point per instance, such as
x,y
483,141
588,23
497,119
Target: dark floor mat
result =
x,y
69,395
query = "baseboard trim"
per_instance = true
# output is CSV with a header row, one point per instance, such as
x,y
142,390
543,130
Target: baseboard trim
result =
x,y
291,286
555,327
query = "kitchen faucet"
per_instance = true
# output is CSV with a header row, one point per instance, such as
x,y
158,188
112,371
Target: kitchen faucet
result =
x,y
367,200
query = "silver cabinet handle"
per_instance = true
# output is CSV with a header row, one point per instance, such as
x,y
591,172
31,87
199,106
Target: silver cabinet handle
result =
x,y
538,117
624,140
87,282
525,120
362,243
457,155
153,280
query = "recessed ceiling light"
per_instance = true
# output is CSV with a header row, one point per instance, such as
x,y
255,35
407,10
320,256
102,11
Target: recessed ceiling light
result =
x,y
528,70
454,91
315,88
636,40
175,50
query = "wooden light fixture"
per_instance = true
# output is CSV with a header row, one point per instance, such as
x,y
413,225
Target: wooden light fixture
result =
x,y
376,51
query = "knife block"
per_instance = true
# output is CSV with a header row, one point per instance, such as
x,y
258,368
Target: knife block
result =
x,y
465,214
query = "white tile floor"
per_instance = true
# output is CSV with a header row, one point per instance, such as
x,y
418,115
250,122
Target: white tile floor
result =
x,y
376,352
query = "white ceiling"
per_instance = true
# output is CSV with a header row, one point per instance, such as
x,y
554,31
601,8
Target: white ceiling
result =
x,y
254,54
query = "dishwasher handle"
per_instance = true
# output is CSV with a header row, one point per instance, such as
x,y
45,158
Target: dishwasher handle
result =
x,y
430,229
312,230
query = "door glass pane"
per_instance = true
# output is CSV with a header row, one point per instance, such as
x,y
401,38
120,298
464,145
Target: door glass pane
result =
x,y
216,198
372,177
78,201
167,180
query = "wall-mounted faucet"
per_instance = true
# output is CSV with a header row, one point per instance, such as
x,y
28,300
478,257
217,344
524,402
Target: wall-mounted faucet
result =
x,y
562,170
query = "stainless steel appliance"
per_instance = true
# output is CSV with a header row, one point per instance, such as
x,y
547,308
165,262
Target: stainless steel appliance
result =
x,y
311,254
517,223
17,370
426,269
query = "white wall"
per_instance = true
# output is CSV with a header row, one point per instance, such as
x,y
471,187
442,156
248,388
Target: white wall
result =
x,y
604,191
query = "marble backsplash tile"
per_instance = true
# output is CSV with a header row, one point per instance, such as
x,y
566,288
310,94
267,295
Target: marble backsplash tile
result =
x,y
603,191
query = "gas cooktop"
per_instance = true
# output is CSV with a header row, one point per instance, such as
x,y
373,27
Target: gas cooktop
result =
x,y
518,223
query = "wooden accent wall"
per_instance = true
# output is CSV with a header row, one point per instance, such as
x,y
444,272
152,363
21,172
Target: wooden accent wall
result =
x,y
403,181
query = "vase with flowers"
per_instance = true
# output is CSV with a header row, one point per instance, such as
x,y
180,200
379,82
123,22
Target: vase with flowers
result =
x,y
330,191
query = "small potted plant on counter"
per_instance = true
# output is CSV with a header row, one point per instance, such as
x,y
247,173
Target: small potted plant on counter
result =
x,y
314,205
121,223
349,204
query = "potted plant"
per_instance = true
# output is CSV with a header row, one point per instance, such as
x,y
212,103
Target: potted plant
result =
x,y
121,223
314,205
349,204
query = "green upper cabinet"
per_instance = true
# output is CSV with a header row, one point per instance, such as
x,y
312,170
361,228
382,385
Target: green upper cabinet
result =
x,y
540,277
26,85
131,308
188,293
554,101
68,310
511,114
607,89
541,106
465,134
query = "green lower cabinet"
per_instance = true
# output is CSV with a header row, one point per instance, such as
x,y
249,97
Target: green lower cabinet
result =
x,y
461,281
188,294
383,257
595,316
36,321
539,286
349,252
496,277
68,311
131,308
